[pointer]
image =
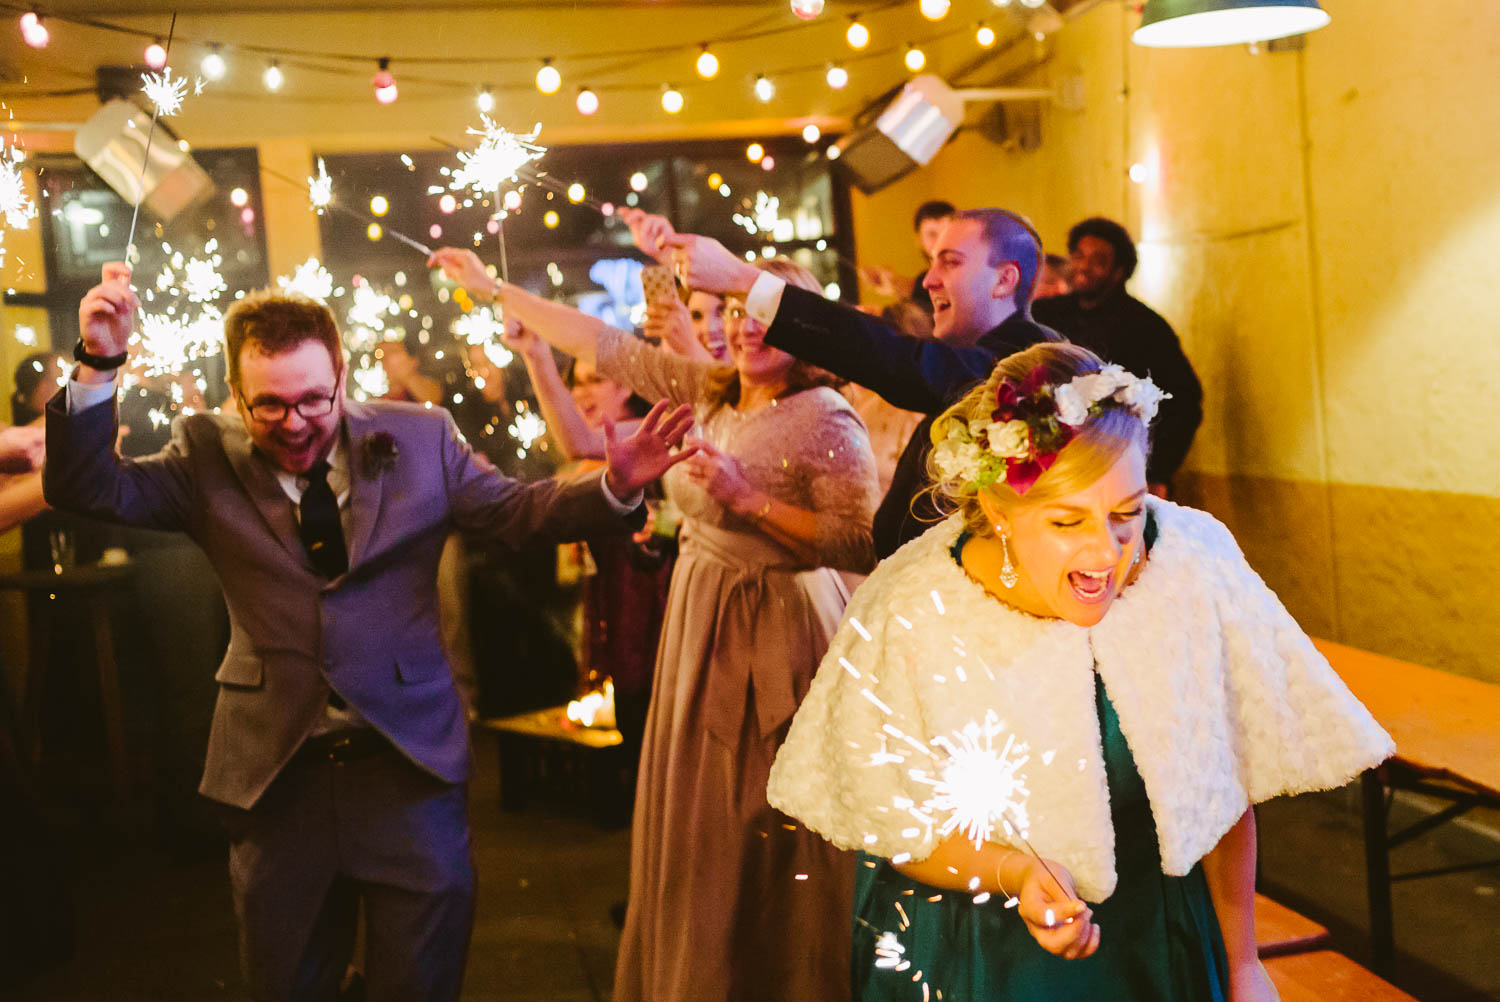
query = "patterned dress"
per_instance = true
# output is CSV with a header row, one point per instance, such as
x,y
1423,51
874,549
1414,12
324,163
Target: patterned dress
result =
x,y
729,900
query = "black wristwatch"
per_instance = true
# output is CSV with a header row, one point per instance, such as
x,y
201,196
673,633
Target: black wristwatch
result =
x,y
100,362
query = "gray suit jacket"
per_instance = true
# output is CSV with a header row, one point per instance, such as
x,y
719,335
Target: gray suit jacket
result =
x,y
371,634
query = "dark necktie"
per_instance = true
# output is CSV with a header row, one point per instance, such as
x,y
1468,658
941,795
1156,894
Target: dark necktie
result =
x,y
321,532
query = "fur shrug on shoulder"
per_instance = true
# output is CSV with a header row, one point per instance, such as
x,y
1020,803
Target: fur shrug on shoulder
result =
x,y
1222,698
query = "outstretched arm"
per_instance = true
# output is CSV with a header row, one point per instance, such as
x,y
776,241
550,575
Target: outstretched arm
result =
x,y
20,499
566,329
569,430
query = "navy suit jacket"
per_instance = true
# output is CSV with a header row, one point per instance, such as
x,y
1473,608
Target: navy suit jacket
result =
x,y
372,633
909,373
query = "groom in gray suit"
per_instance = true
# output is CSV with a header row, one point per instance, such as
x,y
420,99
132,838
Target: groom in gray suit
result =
x,y
339,744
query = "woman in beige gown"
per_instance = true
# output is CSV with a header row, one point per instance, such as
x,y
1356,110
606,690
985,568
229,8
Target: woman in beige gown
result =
x,y
729,899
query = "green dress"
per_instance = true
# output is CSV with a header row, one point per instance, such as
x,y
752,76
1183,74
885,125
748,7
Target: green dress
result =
x,y
1159,935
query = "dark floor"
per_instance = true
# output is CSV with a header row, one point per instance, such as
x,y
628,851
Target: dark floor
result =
x,y
153,927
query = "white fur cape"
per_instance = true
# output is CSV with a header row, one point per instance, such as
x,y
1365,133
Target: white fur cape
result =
x,y
1222,698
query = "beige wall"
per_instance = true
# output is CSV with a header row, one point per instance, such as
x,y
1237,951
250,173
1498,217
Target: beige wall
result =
x,y
1318,226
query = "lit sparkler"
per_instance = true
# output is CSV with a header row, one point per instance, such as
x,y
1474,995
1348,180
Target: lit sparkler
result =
x,y
526,429
15,205
168,343
370,380
979,787
308,279
497,160
201,281
320,188
164,92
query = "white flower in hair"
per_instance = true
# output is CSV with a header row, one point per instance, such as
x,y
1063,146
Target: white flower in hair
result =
x,y
1095,386
1143,397
1010,439
959,461
1072,408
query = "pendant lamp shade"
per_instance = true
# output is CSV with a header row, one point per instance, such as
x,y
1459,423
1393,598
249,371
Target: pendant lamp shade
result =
x,y
1191,23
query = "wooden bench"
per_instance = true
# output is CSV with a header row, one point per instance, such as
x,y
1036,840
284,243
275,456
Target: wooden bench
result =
x,y
1280,931
543,752
1325,976
1447,747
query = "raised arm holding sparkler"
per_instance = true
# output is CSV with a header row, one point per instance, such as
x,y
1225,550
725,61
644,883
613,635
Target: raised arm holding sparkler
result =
x,y
1069,692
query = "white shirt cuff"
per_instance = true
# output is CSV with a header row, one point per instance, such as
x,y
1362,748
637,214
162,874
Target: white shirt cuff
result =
x,y
621,507
764,298
82,396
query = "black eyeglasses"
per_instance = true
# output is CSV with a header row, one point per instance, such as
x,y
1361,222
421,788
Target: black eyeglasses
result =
x,y
275,411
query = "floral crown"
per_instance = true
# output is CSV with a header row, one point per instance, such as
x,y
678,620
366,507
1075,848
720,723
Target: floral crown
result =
x,y
1031,423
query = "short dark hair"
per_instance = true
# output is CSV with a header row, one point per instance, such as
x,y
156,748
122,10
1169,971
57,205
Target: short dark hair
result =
x,y
936,209
1011,237
1111,233
278,322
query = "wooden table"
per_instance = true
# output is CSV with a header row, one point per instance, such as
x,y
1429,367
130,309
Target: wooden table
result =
x,y
544,750
1447,731
1280,931
1324,976
93,585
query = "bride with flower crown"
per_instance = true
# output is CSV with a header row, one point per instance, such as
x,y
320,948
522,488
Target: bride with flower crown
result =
x,y
1045,721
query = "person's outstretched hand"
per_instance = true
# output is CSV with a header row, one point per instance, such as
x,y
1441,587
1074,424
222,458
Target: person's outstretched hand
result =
x,y
705,265
635,461
106,315
1056,917
523,341
650,233
464,267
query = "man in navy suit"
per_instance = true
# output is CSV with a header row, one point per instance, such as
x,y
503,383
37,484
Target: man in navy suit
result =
x,y
339,746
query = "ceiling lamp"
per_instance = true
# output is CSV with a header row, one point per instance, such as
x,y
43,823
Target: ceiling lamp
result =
x,y
1191,23
671,100
984,35
935,10
485,101
915,58
587,101
547,78
384,83
708,64
858,36
838,77
764,88
213,65
33,32
156,55
807,9
273,78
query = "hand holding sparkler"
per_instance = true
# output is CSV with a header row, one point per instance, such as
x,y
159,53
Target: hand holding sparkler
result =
x,y
106,317
650,233
705,265
1056,917
463,266
524,342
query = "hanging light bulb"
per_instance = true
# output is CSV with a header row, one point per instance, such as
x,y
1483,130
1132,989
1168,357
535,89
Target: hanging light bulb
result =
x,y
935,10
587,101
671,100
984,35
212,67
273,78
834,152
485,101
638,181
764,88
838,77
768,162
807,9
156,55
858,36
708,64
379,205
576,193
547,78
384,83
811,133
755,152
33,32
915,58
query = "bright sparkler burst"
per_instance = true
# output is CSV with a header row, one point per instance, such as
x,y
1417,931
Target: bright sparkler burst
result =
x,y
320,188
201,281
309,279
526,429
979,787
168,343
15,205
164,92
497,160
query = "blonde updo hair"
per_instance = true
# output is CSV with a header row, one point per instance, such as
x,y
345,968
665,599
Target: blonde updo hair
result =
x,y
1098,445
722,385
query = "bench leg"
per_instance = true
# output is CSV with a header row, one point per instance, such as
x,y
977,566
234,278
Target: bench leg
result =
x,y
1378,876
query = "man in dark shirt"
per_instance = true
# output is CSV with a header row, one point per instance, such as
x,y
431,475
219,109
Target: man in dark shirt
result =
x,y
984,266
1102,317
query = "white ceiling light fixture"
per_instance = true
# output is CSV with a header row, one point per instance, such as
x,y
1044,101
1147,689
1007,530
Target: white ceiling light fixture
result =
x,y
1203,23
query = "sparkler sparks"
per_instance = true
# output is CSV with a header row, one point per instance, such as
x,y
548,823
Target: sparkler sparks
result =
x,y
497,160
15,205
308,279
164,92
201,281
526,429
320,188
890,953
979,787
168,343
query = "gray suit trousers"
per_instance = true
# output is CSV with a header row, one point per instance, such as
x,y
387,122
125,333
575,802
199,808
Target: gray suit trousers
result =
x,y
326,837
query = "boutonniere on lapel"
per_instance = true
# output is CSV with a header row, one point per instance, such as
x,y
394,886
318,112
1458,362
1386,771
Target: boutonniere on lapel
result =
x,y
378,453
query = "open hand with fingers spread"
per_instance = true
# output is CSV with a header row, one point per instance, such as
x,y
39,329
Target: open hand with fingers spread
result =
x,y
704,264
635,461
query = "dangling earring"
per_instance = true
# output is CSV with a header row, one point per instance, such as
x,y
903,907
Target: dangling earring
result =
x,y
1008,575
